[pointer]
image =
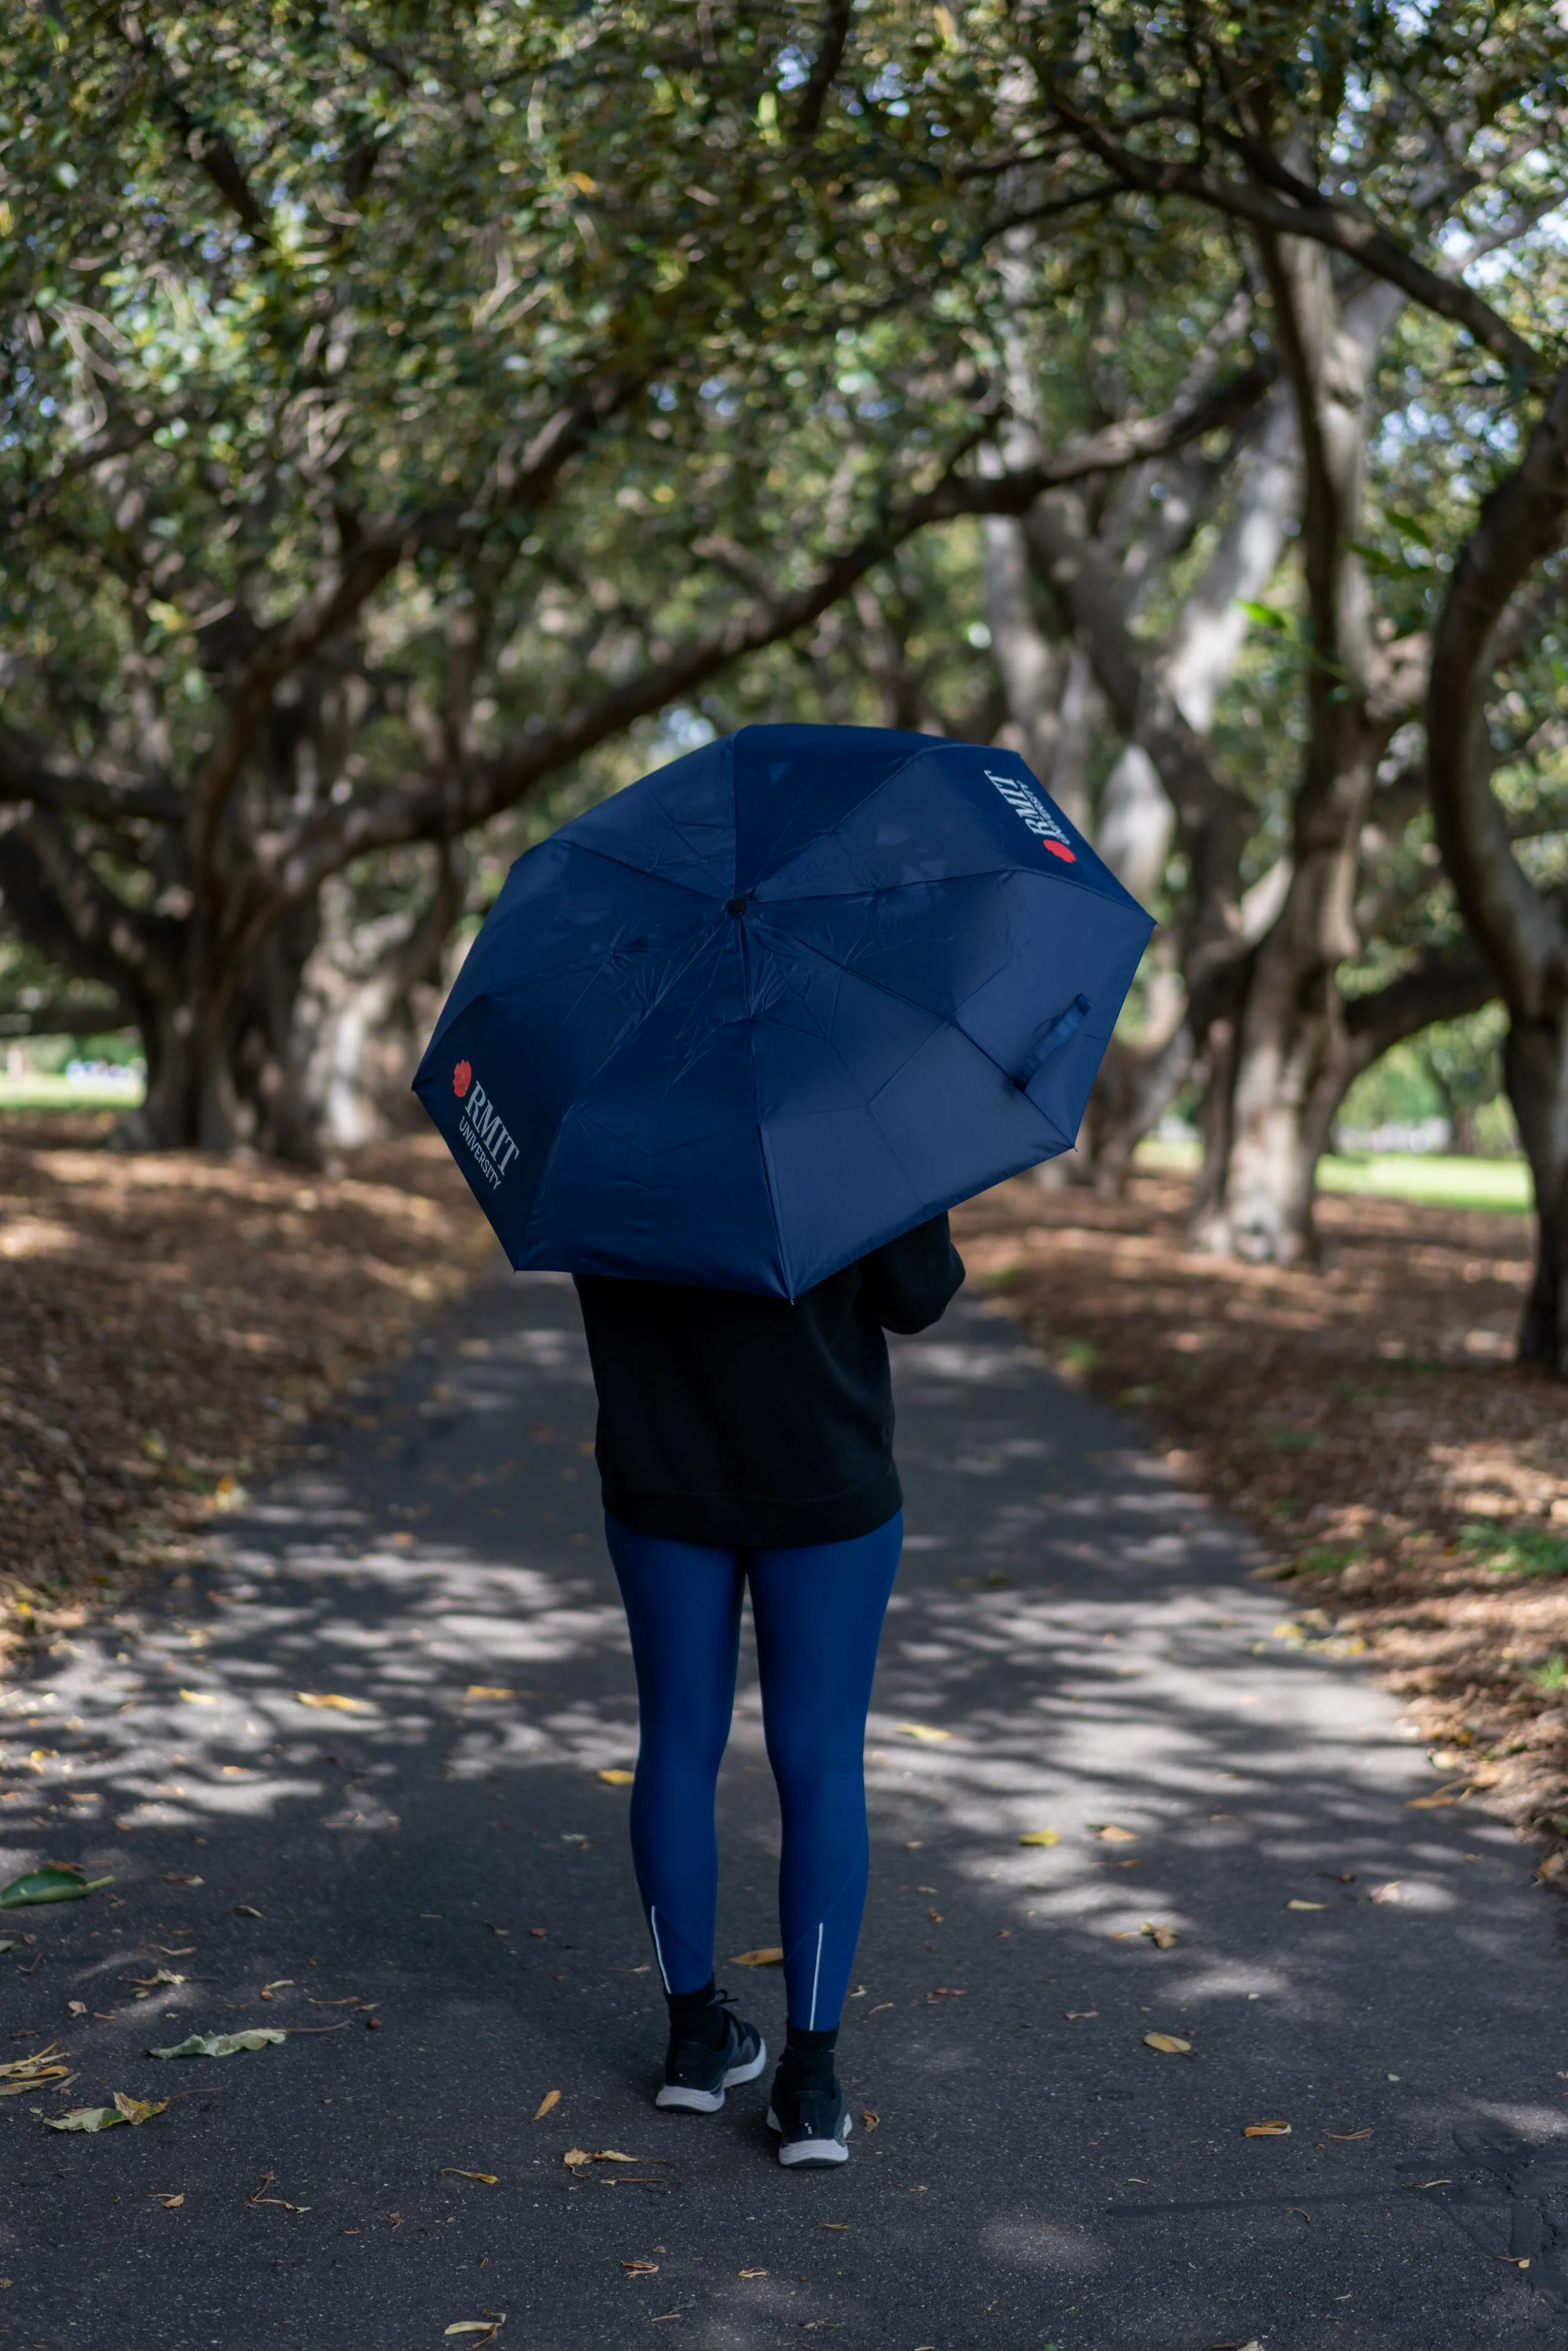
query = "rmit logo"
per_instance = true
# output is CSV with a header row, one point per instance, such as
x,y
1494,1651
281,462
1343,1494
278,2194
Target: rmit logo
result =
x,y
1027,804
483,1129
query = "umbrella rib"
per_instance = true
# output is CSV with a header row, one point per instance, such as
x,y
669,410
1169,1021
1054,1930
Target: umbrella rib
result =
x,y
934,882
643,872
806,947
763,1152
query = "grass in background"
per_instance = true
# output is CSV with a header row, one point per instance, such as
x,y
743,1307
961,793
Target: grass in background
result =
x,y
1444,1181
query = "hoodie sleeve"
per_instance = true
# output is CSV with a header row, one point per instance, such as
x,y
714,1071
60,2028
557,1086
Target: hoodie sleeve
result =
x,y
909,1282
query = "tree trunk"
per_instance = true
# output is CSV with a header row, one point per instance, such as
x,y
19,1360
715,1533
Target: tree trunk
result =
x,y
1523,521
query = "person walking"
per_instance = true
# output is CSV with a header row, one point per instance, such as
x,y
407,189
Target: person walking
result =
x,y
745,1442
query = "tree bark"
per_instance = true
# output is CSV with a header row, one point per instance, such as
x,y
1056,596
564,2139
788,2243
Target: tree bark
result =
x,y
1523,520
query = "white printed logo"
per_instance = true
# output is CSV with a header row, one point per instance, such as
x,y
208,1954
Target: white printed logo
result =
x,y
1027,803
482,1126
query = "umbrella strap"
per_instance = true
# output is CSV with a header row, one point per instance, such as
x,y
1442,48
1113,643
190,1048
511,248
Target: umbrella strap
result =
x,y
1050,1040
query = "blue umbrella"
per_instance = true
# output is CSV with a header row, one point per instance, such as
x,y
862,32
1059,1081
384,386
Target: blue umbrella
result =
x,y
775,1005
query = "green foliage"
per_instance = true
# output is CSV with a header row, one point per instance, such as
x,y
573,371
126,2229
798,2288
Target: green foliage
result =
x,y
1506,1549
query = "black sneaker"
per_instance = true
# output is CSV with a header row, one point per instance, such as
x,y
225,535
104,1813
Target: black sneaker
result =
x,y
811,2121
696,2078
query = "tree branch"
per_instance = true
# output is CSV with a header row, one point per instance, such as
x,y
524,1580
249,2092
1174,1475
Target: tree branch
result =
x,y
1525,520
28,774
824,67
1322,219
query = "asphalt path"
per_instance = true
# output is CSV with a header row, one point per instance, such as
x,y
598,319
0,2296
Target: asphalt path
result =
x,y
422,1876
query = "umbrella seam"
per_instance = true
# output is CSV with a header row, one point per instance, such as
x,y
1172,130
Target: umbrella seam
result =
x,y
943,1020
763,1153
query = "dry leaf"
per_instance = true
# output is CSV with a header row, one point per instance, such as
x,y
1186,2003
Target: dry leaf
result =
x,y
481,1689
921,1730
617,1778
1308,1906
198,1697
279,1983
487,2179
1389,1893
868,2120
1041,1836
1163,1939
1553,1867
1167,2044
134,2111
171,2203
1074,2015
1301,2212
246,1910
1450,1792
1347,2135
330,1699
547,2105
173,1877
641,2268
1266,2130
487,2327
753,2274
76,2007
1109,1832
772,1956
576,2156
222,2044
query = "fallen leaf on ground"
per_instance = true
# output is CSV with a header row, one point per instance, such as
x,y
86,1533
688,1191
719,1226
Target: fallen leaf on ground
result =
x,y
576,2156
547,2105
51,1883
481,1689
173,1877
77,2007
222,2044
617,1778
1389,1893
1266,2130
148,1984
278,1984
170,2203
1450,1794
921,1730
96,2118
1109,1832
198,1697
868,2120
753,2274
1041,1836
1301,2212
488,2179
487,2328
1075,2015
1553,1867
331,1698
1163,1939
1347,2135
643,2268
772,1956
1308,1906
1167,2044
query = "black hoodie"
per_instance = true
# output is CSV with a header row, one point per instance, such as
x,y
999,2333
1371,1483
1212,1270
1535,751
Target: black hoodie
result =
x,y
758,1423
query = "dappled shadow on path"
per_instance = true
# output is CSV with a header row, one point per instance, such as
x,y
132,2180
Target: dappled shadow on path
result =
x,y
418,1626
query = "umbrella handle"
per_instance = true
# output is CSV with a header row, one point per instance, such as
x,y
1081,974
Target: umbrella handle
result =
x,y
1050,1040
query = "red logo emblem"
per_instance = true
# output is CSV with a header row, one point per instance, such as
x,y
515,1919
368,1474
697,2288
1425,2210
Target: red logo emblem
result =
x,y
462,1078
1060,848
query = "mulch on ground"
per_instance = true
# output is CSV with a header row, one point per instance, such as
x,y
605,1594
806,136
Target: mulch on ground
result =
x,y
171,1319
1366,1417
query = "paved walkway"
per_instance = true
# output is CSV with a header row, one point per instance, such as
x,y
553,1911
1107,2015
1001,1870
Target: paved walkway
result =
x,y
1074,1646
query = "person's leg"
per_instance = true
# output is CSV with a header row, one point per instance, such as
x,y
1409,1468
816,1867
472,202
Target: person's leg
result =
x,y
683,1607
819,1613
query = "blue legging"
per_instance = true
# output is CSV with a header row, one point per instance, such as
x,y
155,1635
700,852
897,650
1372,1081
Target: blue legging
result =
x,y
818,1611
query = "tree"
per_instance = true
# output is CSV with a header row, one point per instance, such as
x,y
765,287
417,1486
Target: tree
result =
x,y
1346,153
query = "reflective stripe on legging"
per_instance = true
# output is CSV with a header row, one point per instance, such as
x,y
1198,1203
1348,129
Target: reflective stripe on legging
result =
x,y
818,1610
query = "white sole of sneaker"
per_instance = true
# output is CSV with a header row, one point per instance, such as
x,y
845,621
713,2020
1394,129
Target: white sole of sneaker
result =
x,y
812,2150
708,2102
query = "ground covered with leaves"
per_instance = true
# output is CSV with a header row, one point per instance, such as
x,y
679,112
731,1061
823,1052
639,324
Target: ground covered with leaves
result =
x,y
170,1321
1365,1415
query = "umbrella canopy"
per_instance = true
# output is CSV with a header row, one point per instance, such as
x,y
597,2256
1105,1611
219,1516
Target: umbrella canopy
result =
x,y
777,1004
